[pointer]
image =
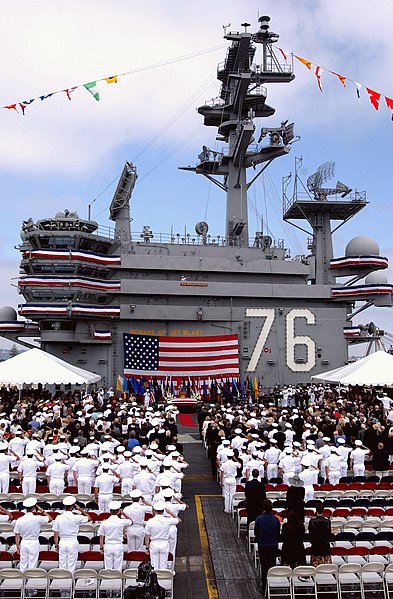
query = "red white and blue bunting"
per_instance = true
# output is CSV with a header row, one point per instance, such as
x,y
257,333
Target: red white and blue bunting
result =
x,y
72,255
351,331
47,281
103,335
30,309
355,261
361,290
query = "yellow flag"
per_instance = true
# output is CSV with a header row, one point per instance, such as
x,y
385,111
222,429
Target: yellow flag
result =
x,y
119,384
111,79
256,388
307,63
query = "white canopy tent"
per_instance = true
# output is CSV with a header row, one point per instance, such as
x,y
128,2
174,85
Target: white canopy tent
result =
x,y
375,369
36,366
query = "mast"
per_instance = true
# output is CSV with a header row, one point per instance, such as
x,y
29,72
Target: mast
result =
x,y
242,98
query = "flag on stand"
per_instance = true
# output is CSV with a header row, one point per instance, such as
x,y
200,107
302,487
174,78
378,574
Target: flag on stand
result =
x,y
215,355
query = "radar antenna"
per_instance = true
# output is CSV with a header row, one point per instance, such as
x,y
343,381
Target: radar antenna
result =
x,y
321,175
124,190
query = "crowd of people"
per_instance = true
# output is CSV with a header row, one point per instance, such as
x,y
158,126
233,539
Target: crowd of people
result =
x,y
123,457
299,437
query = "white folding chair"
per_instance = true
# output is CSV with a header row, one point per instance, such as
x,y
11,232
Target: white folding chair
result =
x,y
110,580
60,584
251,535
165,579
241,521
372,578
85,583
303,581
349,579
388,578
129,577
11,581
237,497
326,579
35,582
279,582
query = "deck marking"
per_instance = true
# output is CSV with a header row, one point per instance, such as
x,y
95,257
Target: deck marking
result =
x,y
212,590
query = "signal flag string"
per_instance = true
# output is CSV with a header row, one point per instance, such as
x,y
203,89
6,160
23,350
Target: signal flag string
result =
x,y
374,96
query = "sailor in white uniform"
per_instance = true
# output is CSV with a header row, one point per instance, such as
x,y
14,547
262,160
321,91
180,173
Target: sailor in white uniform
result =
x,y
27,530
357,457
27,471
157,536
5,461
228,472
103,487
111,533
66,527
136,511
84,472
56,474
333,466
272,456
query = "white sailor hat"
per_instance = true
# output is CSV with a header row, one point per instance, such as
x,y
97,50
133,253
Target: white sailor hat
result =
x,y
30,451
273,440
30,502
226,442
168,492
3,446
105,466
288,425
135,494
238,431
57,456
255,436
73,450
153,446
288,450
311,442
69,500
230,453
143,461
326,439
175,454
159,506
342,441
307,425
275,425
171,448
137,449
358,443
148,453
127,454
120,448
165,481
167,462
297,444
114,506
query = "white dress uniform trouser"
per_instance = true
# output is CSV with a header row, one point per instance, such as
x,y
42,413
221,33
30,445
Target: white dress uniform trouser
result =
x,y
113,556
359,469
286,476
126,486
29,484
84,485
308,493
228,490
135,536
104,500
173,539
272,471
29,551
68,553
159,550
56,486
4,482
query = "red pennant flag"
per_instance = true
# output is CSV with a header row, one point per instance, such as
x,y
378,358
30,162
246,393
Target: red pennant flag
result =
x,y
318,73
374,97
284,53
307,63
389,102
69,91
10,106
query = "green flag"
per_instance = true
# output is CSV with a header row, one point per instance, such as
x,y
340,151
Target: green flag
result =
x,y
92,89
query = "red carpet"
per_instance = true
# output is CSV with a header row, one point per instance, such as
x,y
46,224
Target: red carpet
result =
x,y
187,420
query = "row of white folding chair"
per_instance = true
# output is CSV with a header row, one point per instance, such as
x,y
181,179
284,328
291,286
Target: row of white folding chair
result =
x,y
46,585
328,579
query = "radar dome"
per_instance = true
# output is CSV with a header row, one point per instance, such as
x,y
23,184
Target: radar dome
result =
x,y
362,246
60,215
376,278
7,313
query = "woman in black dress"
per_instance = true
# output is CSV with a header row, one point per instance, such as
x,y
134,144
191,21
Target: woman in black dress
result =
x,y
292,552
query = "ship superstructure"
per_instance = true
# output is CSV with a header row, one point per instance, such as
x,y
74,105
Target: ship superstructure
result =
x,y
84,287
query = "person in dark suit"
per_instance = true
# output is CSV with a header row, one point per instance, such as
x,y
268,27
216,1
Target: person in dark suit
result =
x,y
295,497
255,496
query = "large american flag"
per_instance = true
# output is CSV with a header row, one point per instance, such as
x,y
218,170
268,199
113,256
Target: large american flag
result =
x,y
215,355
